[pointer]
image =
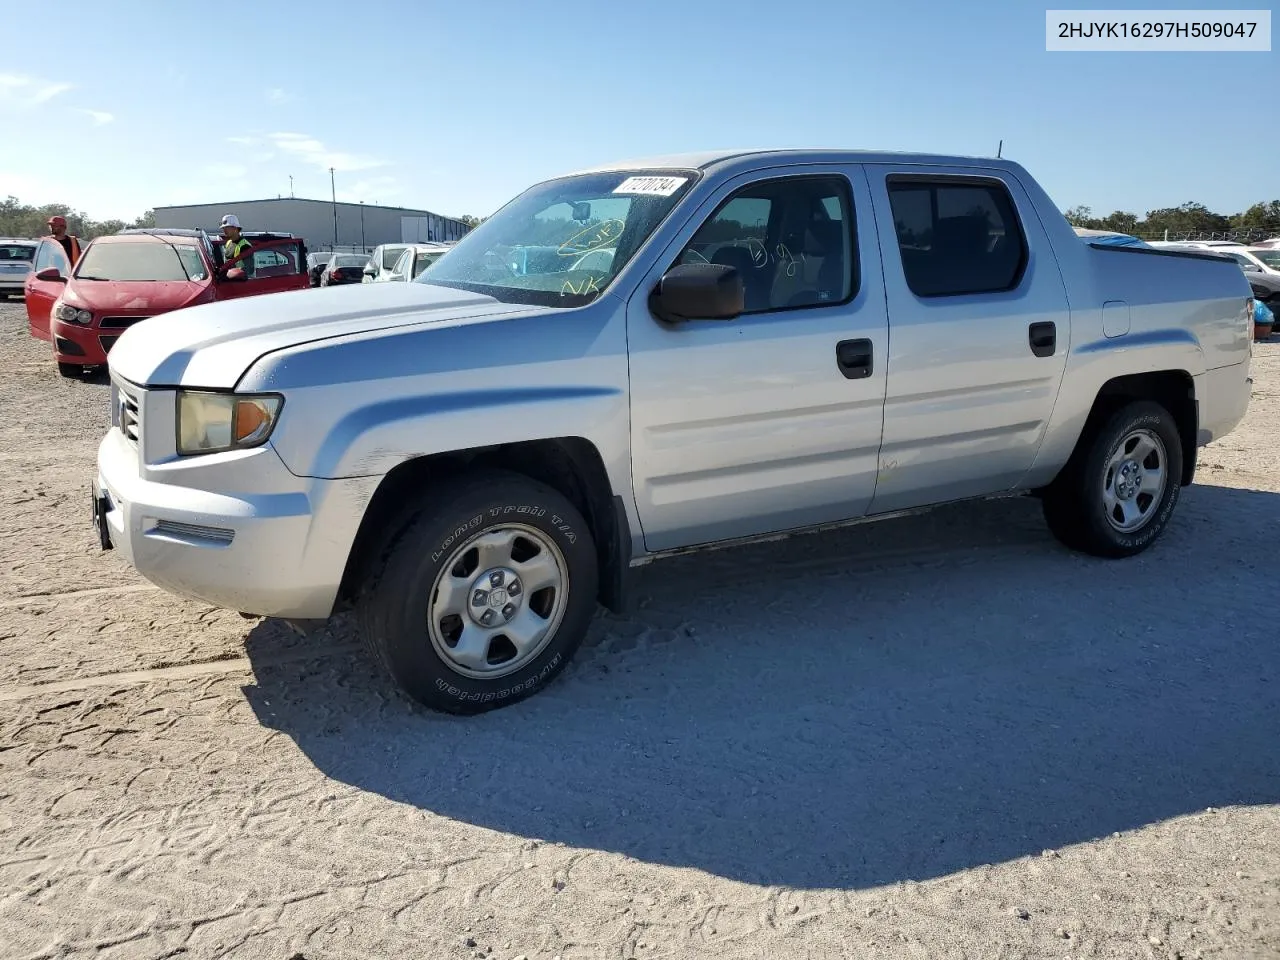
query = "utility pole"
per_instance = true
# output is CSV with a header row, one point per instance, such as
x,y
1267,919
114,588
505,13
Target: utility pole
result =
x,y
334,190
291,186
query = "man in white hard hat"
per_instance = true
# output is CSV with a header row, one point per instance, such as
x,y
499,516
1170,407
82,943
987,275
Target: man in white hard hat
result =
x,y
235,244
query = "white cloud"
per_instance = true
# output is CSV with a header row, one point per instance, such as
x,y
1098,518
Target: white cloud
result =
x,y
19,90
312,151
277,95
379,190
100,117
225,171
243,141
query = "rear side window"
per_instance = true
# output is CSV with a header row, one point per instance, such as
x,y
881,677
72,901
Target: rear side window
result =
x,y
957,236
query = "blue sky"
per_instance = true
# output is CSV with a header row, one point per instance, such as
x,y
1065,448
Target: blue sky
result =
x,y
456,107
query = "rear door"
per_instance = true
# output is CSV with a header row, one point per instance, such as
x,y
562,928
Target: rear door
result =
x,y
978,332
274,266
41,294
770,421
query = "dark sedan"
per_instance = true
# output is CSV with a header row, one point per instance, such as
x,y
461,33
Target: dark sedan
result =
x,y
344,268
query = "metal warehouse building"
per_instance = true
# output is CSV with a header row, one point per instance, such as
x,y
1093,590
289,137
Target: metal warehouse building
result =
x,y
323,224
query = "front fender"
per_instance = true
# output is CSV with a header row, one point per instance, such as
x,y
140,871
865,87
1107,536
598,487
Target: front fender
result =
x,y
373,439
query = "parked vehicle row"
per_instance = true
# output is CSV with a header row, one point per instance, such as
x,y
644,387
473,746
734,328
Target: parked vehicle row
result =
x,y
638,361
125,278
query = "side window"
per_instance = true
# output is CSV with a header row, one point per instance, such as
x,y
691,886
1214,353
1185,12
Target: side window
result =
x,y
791,240
279,262
44,258
58,258
957,237
401,269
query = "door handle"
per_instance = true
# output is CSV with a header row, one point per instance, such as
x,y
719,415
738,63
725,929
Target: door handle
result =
x,y
855,358
1043,338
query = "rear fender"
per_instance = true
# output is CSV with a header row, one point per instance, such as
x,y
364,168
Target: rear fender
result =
x,y
1089,368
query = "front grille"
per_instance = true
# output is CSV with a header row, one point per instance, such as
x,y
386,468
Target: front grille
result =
x,y
128,414
119,323
108,343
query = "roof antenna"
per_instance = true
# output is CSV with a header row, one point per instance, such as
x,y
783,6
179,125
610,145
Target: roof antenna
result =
x,y
999,149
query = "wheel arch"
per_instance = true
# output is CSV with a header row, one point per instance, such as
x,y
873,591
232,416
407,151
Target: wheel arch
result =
x,y
570,465
1174,390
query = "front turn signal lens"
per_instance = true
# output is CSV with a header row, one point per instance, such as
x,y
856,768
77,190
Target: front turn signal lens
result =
x,y
216,422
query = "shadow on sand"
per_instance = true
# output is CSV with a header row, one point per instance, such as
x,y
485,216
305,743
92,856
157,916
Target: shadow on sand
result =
x,y
894,701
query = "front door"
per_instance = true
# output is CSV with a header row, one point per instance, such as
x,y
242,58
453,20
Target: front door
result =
x,y
273,267
40,294
770,421
978,328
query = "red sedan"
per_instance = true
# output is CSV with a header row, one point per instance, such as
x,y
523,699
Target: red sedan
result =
x,y
131,276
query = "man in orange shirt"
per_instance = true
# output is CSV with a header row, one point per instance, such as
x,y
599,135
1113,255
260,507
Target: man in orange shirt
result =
x,y
71,244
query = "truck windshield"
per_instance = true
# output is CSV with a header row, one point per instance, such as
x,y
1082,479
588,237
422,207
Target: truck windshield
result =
x,y
132,262
562,242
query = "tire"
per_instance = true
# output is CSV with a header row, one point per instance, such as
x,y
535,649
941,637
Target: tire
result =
x,y
70,370
1095,507
467,532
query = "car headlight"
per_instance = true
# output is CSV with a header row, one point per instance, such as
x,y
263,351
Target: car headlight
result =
x,y
69,314
216,422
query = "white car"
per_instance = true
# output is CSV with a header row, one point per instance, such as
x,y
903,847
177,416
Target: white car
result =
x,y
382,261
16,257
1250,258
416,258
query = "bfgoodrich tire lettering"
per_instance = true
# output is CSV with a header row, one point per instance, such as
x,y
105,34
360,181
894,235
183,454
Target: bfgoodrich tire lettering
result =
x,y
484,594
1116,495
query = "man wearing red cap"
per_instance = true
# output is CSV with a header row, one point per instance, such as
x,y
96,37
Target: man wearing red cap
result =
x,y
71,244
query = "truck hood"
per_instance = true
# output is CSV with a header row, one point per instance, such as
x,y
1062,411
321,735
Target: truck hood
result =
x,y
151,297
211,345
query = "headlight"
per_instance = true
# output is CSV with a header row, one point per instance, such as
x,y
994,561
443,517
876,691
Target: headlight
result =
x,y
70,314
214,422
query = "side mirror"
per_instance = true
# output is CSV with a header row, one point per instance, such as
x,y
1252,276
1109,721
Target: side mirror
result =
x,y
235,274
369,270
698,291
51,275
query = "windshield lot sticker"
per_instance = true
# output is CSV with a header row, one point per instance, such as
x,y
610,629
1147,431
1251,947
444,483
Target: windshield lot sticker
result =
x,y
651,186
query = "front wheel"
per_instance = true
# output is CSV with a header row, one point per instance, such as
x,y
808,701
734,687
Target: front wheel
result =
x,y
484,595
70,370
1118,492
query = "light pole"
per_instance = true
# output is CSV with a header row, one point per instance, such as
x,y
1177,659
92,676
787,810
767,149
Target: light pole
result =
x,y
291,186
334,190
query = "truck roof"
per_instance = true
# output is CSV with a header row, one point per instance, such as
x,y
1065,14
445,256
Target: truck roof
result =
x,y
709,159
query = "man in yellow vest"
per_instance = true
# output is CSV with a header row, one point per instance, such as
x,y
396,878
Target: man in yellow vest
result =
x,y
235,244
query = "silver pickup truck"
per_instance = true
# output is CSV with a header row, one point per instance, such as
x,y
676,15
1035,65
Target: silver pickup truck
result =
x,y
649,358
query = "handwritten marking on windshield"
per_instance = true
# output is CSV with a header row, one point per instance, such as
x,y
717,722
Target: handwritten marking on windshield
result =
x,y
591,238
589,285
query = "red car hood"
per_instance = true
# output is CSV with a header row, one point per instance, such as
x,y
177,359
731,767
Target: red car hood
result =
x,y
150,297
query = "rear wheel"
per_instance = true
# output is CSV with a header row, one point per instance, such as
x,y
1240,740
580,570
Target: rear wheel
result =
x,y
484,595
1117,493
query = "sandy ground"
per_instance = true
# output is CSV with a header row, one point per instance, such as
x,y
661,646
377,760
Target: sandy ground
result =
x,y
937,737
